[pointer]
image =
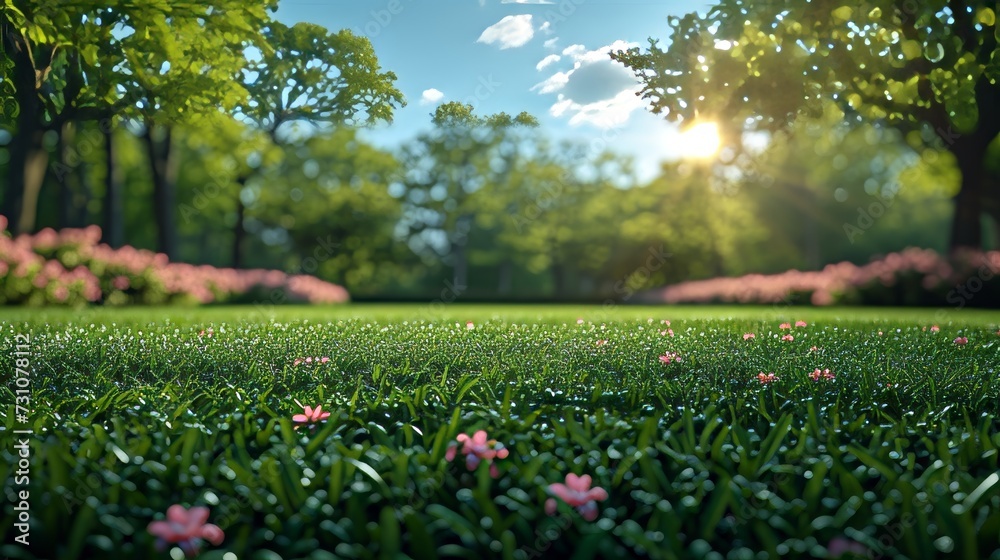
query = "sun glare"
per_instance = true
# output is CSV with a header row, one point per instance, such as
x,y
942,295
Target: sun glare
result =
x,y
701,140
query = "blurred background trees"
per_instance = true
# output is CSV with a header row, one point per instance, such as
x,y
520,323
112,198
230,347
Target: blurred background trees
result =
x,y
219,136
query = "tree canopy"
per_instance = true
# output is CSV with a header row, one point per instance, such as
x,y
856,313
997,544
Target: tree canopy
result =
x,y
927,68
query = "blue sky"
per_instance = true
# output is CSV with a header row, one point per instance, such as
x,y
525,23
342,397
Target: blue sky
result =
x,y
547,59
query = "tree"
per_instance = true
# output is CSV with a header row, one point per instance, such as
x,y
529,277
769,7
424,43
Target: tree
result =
x,y
924,67
448,171
79,61
306,74
327,206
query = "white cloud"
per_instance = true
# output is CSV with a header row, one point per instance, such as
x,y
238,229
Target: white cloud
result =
x,y
553,83
596,90
510,32
431,96
551,43
607,113
546,28
551,59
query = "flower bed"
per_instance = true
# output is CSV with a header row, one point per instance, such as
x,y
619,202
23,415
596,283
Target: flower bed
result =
x,y
71,267
911,277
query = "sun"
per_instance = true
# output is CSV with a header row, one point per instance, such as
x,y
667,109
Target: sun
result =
x,y
701,140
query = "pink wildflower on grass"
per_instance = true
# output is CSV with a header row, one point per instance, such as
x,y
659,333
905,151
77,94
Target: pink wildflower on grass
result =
x,y
311,416
311,360
801,324
935,328
470,325
602,342
476,449
785,326
748,336
207,332
787,338
185,528
766,378
961,341
668,332
579,321
818,374
669,357
577,493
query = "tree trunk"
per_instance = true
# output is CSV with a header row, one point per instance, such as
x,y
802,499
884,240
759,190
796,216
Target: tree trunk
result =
x,y
28,129
239,231
558,281
67,177
966,227
35,166
460,260
164,171
81,204
113,206
504,277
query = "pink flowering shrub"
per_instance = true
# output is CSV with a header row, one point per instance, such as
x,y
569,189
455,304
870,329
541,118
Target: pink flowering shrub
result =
x,y
910,277
71,267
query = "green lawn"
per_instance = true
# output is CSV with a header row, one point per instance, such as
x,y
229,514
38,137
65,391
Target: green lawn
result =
x,y
896,448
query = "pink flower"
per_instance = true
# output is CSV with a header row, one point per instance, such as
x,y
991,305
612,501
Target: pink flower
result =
x,y
813,349
576,493
579,321
207,332
186,528
311,360
602,342
311,415
766,378
668,332
669,357
839,546
120,283
788,338
785,326
935,328
961,341
800,324
748,336
470,325
818,374
476,449
665,322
